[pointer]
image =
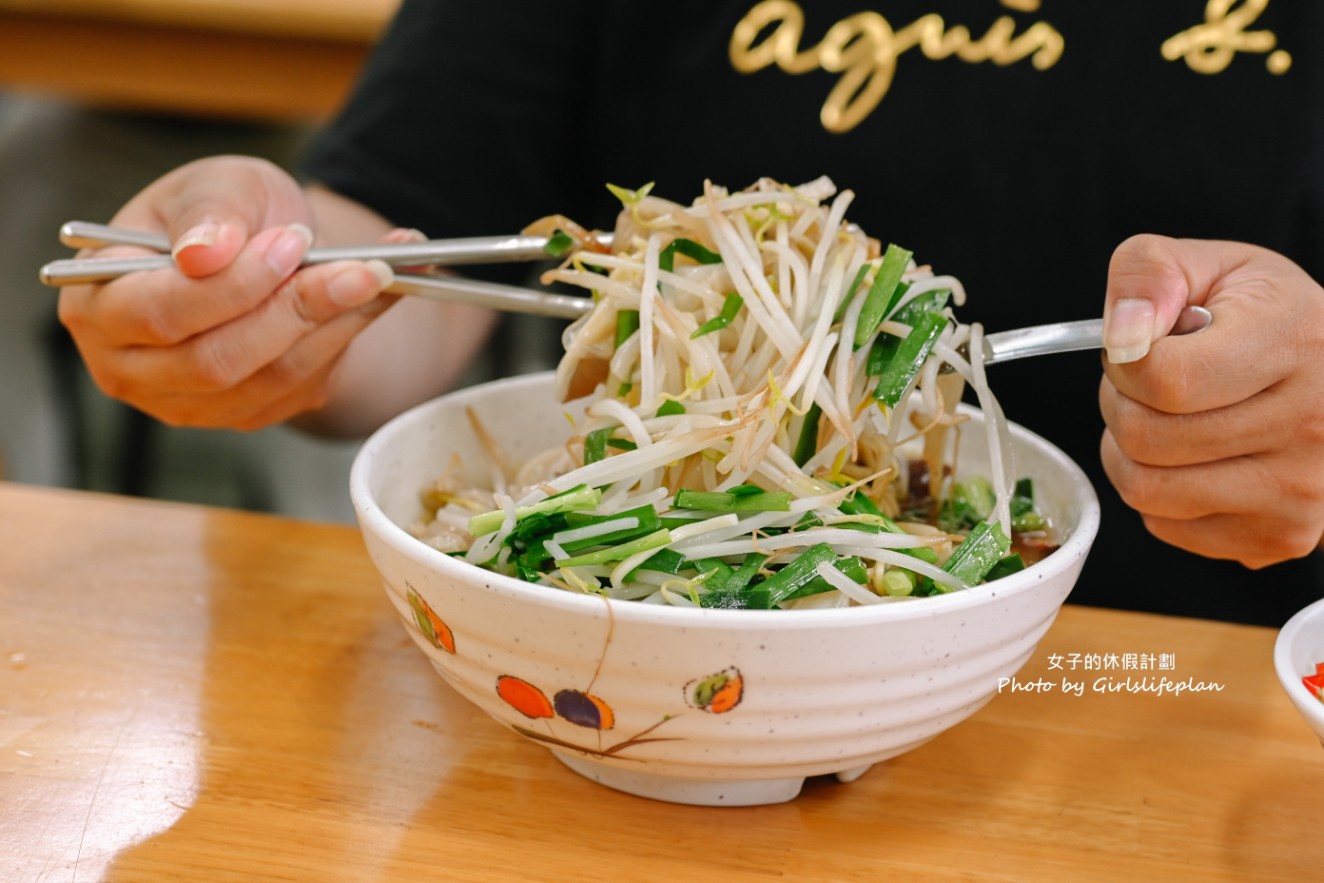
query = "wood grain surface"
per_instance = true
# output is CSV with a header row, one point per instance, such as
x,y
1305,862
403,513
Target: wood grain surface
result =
x,y
262,60
198,694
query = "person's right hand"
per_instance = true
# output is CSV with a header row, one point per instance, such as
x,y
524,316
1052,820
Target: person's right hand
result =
x,y
238,336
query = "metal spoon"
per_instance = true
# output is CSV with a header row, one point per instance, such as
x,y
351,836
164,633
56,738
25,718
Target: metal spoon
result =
x,y
1065,337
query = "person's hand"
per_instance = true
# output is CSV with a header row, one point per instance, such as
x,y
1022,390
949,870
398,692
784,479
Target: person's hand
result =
x,y
238,336
1216,438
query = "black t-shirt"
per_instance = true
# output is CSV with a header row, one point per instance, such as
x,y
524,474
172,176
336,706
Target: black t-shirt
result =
x,y
1012,144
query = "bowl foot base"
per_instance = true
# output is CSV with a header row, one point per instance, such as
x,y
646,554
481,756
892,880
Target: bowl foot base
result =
x,y
694,792
850,775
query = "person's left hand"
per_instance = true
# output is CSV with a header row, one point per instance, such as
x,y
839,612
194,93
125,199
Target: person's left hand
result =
x,y
1216,438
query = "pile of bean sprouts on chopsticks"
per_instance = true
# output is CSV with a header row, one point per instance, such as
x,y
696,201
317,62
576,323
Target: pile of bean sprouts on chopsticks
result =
x,y
771,419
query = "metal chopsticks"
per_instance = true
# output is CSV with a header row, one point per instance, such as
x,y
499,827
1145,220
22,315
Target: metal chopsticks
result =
x,y
437,252
509,298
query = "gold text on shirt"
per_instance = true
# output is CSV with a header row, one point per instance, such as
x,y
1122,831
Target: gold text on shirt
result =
x,y
864,48
1208,48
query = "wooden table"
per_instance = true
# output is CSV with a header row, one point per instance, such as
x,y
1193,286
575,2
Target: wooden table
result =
x,y
248,59
196,694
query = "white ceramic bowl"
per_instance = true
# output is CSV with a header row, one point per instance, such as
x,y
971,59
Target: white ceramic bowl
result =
x,y
717,707
1299,646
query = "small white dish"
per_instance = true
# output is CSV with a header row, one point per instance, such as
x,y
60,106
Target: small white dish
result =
x,y
1299,647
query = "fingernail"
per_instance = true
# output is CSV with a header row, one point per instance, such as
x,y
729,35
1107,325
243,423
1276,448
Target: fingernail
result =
x,y
382,272
1129,330
285,252
346,288
404,234
204,234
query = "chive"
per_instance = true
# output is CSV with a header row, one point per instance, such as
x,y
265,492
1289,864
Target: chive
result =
x,y
715,571
535,553
927,554
876,302
559,243
806,445
897,293
579,497
898,582
885,347
720,501
537,525
730,307
738,590
863,522
627,323
852,567
858,504
928,302
975,557
666,259
669,408
663,561
748,569
849,294
909,358
971,501
925,587
744,490
672,522
807,521
753,598
1012,563
622,444
645,515
799,573
619,552
1025,516
534,559
801,577
1029,522
595,444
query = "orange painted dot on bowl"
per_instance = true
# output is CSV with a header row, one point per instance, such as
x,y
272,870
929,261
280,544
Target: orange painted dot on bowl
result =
x,y
522,696
717,693
432,626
